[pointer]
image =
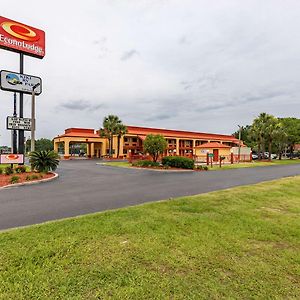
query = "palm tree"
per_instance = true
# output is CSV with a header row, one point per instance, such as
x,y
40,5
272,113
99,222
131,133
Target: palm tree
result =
x,y
272,125
110,125
121,130
263,131
44,161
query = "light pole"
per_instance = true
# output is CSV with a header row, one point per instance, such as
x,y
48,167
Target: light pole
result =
x,y
240,136
32,148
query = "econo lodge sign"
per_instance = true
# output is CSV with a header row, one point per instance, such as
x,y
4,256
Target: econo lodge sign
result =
x,y
22,38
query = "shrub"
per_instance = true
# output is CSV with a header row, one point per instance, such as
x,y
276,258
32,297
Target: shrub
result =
x,y
8,170
199,167
44,161
205,168
34,177
145,163
1,171
178,162
28,178
14,179
20,169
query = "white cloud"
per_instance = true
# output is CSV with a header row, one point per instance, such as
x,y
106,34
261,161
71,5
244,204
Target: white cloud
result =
x,y
198,65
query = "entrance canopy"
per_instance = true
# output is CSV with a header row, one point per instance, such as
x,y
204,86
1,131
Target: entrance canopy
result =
x,y
95,144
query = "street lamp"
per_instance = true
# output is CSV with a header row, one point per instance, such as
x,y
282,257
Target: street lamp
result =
x,y
32,147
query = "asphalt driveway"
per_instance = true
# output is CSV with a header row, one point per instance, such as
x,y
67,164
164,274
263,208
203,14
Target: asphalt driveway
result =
x,y
84,187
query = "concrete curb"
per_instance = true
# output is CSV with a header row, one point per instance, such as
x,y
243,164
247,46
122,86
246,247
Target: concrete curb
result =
x,y
148,169
31,182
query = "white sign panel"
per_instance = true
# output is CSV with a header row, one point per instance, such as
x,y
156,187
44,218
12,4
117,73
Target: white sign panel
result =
x,y
18,123
11,158
16,82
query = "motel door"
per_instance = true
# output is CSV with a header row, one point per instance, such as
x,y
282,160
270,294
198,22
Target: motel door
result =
x,y
216,154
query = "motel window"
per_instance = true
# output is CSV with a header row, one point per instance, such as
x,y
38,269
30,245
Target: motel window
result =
x,y
125,151
134,140
125,139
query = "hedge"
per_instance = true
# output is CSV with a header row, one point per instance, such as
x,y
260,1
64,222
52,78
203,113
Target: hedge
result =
x,y
178,162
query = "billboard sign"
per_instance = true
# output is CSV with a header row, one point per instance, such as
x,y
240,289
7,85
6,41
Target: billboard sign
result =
x,y
11,158
16,82
18,37
15,123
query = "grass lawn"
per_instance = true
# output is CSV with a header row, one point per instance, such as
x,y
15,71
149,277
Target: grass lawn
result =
x,y
241,243
256,163
123,164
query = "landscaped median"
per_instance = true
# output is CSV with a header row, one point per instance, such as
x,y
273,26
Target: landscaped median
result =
x,y
21,175
240,243
42,163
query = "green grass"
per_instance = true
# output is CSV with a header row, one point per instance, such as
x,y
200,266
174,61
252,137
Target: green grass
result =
x,y
242,243
256,164
3,166
122,164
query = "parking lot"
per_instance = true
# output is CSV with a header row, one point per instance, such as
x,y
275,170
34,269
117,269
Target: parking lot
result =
x,y
85,187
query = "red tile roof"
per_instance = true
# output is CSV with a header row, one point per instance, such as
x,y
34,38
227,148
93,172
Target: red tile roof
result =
x,y
213,145
180,133
79,132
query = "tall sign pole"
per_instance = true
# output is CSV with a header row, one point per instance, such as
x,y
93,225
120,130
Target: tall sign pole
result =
x,y
33,117
14,132
21,111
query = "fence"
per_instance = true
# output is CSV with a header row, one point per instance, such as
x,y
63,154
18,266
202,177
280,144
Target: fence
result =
x,y
228,159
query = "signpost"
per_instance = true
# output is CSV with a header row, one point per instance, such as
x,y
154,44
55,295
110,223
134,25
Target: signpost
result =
x,y
11,158
26,40
18,37
16,123
17,82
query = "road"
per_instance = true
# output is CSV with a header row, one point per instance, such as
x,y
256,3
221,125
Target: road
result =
x,y
84,187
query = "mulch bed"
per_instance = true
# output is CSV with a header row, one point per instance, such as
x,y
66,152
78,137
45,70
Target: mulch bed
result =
x,y
5,179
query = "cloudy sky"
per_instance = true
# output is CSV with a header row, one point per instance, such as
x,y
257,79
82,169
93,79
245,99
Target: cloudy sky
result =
x,y
193,65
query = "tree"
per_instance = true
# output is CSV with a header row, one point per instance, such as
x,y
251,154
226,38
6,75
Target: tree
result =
x,y
110,125
155,145
280,140
271,126
292,129
40,145
120,131
44,161
261,130
246,136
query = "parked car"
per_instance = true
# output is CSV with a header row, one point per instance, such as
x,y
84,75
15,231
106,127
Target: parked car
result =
x,y
254,156
273,156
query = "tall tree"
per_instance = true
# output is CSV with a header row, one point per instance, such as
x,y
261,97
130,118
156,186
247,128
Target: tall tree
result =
x,y
40,145
271,127
110,125
280,140
155,145
292,129
120,131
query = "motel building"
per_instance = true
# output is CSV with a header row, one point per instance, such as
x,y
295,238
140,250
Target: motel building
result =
x,y
190,144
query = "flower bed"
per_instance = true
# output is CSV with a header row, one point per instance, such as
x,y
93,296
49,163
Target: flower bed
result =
x,y
23,177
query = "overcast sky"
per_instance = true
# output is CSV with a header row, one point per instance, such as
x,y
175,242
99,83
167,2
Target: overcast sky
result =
x,y
193,65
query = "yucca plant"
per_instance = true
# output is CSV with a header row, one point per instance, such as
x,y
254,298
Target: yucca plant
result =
x,y
44,161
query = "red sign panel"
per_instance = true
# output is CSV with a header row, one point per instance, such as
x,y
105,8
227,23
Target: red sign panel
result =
x,y
18,37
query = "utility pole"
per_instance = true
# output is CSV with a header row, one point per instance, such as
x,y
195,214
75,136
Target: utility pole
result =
x,y
240,136
32,148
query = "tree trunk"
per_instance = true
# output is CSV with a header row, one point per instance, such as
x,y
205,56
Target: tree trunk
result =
x,y
258,150
291,151
111,145
270,150
118,151
109,142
